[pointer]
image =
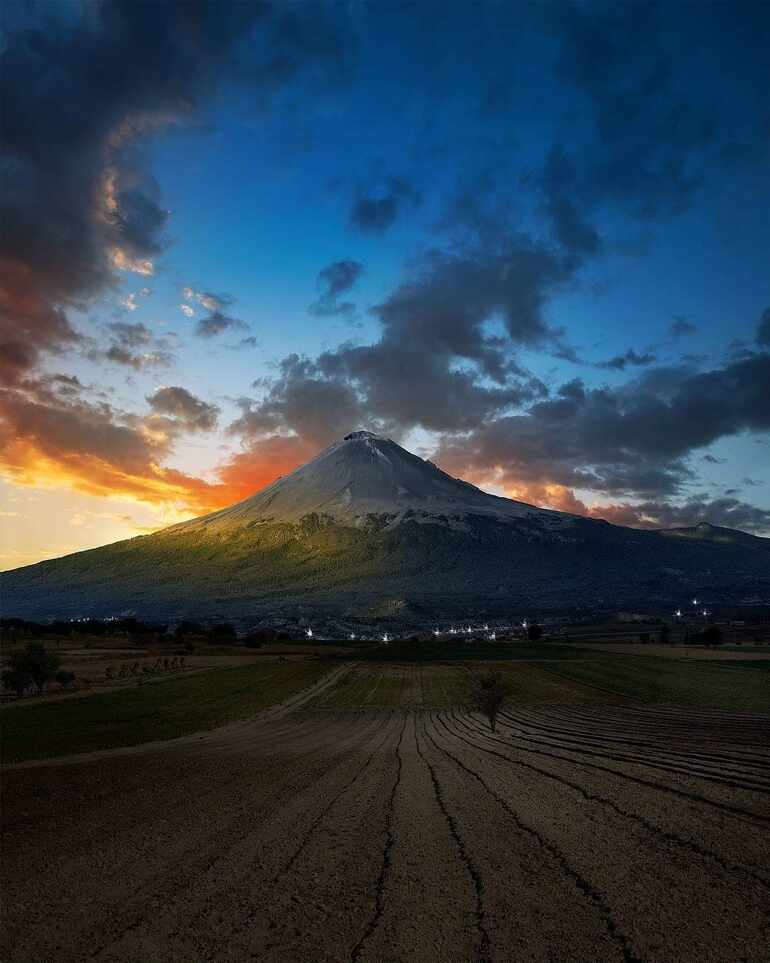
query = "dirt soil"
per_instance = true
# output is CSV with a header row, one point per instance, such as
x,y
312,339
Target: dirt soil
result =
x,y
617,832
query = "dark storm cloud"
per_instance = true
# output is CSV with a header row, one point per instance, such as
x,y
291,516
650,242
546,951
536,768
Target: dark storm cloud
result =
x,y
189,411
333,281
631,358
680,328
434,365
91,429
301,400
131,335
81,87
376,208
632,440
217,322
569,223
722,512
651,140
763,329
135,346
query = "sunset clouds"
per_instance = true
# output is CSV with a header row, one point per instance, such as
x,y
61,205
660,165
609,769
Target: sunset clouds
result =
x,y
526,240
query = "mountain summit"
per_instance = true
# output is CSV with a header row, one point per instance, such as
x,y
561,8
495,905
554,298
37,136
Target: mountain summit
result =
x,y
367,530
363,475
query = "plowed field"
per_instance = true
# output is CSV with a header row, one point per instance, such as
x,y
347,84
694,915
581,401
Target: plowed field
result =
x,y
573,832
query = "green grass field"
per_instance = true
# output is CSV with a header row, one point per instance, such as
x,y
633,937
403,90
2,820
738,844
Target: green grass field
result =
x,y
442,686
742,685
164,709
444,651
174,707
739,685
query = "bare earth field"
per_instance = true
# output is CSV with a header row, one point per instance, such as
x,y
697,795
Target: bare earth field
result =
x,y
328,830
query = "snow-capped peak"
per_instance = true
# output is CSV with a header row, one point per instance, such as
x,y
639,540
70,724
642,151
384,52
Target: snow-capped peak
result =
x,y
367,474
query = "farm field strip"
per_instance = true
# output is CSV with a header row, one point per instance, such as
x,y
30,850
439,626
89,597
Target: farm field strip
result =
x,y
166,709
681,819
754,768
706,805
670,720
603,853
371,685
682,763
741,686
206,834
673,740
668,778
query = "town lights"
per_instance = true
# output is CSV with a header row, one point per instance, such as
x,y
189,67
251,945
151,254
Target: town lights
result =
x,y
309,633
436,633
385,638
694,601
524,624
678,613
352,636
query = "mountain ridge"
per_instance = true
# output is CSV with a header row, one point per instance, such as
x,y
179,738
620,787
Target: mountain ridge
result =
x,y
361,475
369,530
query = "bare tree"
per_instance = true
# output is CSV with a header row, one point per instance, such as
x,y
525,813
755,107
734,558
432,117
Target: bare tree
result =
x,y
489,690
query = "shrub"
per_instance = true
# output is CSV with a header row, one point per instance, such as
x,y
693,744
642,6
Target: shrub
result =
x,y
534,632
65,679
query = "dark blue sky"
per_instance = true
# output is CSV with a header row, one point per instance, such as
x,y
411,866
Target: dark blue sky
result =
x,y
529,240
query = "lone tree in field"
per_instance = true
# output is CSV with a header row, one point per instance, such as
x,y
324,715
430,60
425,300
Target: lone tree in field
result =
x,y
488,693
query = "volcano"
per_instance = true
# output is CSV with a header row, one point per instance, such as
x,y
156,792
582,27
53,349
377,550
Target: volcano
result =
x,y
368,531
